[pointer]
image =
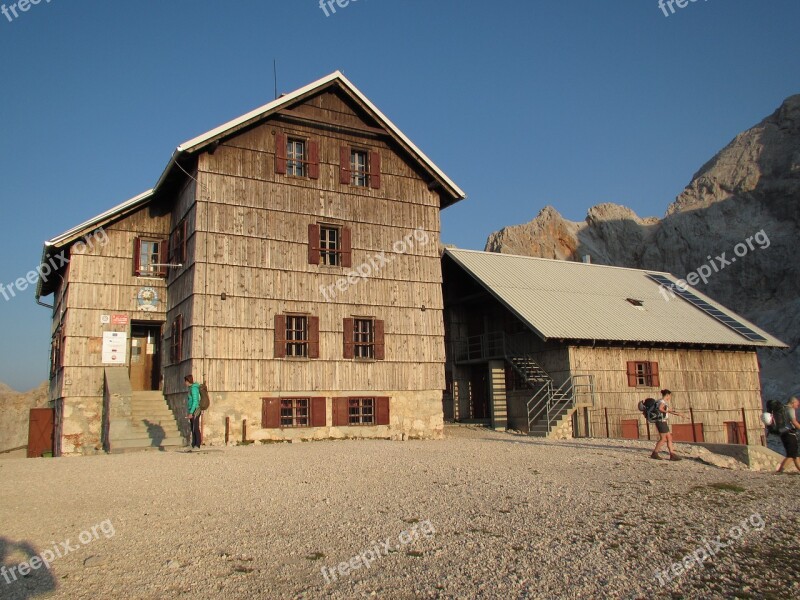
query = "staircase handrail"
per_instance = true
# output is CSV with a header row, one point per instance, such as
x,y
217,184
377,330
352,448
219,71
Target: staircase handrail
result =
x,y
543,404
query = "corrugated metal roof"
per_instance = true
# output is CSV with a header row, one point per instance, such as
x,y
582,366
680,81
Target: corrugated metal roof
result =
x,y
572,300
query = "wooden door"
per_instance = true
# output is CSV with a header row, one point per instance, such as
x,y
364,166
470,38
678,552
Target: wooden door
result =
x,y
144,356
479,392
40,432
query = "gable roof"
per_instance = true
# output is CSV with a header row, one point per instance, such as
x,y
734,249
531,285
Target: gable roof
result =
x,y
335,79
579,301
201,142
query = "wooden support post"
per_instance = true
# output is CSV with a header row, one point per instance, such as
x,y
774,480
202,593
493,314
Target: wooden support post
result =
x,y
744,427
694,432
227,430
608,431
244,431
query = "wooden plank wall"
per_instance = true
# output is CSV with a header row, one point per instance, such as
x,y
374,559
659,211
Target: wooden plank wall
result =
x,y
717,384
101,281
250,241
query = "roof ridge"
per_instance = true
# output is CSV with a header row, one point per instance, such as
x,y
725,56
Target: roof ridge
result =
x,y
563,261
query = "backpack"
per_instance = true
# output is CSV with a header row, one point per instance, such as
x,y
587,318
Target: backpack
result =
x,y
649,408
205,399
775,418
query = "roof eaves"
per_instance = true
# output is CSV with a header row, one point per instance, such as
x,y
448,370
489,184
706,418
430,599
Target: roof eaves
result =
x,y
100,220
201,141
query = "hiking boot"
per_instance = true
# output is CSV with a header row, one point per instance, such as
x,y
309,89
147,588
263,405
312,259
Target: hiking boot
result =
x,y
656,456
675,457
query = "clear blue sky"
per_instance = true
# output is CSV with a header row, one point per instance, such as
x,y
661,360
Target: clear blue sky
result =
x,y
522,103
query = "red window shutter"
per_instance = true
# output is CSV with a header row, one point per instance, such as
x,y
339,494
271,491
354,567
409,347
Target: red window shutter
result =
x,y
313,337
137,253
313,244
382,411
280,336
631,373
375,170
313,160
280,153
344,165
347,247
163,258
271,413
349,341
655,380
340,412
319,416
380,344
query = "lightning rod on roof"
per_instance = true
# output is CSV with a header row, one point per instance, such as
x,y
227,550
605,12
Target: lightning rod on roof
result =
x,y
275,76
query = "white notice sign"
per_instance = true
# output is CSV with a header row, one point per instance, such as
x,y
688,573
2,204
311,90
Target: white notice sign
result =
x,y
115,346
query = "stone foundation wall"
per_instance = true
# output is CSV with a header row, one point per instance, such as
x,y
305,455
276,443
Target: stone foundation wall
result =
x,y
82,429
412,415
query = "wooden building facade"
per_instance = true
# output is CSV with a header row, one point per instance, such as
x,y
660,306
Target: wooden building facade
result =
x,y
560,349
288,259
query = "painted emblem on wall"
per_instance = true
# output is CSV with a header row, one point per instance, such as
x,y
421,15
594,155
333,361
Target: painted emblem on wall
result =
x,y
147,299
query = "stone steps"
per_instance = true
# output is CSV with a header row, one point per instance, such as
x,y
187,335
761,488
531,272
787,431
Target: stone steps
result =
x,y
151,425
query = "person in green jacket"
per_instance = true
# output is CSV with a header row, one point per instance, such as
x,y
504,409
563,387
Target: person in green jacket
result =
x,y
193,409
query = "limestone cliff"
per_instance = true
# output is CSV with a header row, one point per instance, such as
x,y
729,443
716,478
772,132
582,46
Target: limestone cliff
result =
x,y
745,202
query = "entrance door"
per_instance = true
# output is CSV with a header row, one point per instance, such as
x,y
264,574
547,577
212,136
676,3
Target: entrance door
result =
x,y
145,355
479,391
40,432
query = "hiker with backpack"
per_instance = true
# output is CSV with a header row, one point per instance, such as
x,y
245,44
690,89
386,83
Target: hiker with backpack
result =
x,y
789,433
193,409
657,412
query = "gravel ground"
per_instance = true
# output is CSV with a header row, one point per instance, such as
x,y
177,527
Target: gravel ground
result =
x,y
478,515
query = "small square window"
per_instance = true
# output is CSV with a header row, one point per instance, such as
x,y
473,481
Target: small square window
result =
x,y
361,411
149,258
295,412
643,374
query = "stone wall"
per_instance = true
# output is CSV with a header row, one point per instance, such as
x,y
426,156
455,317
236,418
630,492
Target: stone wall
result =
x,y
412,415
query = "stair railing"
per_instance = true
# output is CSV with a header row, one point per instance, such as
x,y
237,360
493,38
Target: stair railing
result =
x,y
549,405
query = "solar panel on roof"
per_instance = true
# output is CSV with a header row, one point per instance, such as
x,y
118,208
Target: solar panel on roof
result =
x,y
707,308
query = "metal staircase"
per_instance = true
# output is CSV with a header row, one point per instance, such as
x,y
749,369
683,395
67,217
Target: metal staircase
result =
x,y
551,405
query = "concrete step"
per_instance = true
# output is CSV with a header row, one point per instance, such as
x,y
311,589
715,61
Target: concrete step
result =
x,y
148,394
134,445
155,412
149,404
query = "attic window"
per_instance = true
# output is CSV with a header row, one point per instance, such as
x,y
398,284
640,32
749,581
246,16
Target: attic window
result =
x,y
635,302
